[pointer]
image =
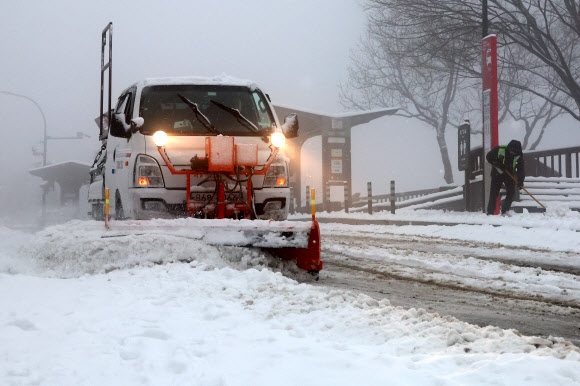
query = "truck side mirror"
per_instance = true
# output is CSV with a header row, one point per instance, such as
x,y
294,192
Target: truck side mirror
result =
x,y
136,124
290,126
118,126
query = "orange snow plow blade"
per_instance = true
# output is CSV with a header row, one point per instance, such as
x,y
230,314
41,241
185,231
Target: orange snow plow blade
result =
x,y
289,240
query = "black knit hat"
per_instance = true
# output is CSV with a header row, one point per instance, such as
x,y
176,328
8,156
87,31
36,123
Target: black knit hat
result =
x,y
514,147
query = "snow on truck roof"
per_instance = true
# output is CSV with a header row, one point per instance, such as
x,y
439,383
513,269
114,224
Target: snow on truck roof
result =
x,y
223,79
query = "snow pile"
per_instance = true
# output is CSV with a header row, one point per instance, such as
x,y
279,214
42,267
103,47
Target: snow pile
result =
x,y
561,210
172,310
84,247
11,244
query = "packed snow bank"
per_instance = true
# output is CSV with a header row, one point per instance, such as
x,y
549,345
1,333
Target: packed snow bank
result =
x,y
558,228
85,247
556,217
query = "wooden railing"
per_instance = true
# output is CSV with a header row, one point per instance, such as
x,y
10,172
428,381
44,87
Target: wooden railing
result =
x,y
562,162
553,163
475,166
400,196
398,200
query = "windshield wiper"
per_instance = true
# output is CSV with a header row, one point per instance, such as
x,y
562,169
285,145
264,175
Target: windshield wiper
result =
x,y
199,115
239,117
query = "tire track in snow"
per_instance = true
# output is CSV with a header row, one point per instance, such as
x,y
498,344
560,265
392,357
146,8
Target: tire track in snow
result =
x,y
452,264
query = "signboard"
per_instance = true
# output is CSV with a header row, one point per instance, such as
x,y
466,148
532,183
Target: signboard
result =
x,y
336,166
336,140
336,124
490,109
463,146
486,120
337,153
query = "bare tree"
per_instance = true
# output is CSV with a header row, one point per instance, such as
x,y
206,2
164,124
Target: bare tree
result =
x,y
549,31
389,71
538,53
519,104
522,106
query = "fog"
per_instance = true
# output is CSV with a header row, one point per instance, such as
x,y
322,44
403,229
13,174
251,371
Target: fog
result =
x,y
297,51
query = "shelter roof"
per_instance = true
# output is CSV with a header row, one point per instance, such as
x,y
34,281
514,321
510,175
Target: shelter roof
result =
x,y
64,173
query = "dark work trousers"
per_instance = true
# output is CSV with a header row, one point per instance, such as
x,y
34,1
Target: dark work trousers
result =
x,y
510,189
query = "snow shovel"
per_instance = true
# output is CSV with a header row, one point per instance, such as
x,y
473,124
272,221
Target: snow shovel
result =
x,y
526,190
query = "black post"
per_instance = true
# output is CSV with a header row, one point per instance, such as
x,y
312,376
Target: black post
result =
x,y
346,198
370,197
44,191
326,200
467,187
307,199
463,161
484,21
291,208
393,198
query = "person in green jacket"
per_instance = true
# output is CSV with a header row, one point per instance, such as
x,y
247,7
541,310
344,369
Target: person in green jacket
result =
x,y
505,159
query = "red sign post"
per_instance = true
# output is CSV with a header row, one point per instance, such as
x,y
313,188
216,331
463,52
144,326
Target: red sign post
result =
x,y
490,109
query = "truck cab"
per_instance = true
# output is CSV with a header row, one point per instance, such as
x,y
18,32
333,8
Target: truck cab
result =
x,y
204,120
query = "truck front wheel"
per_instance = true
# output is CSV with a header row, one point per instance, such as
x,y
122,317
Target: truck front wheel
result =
x,y
97,212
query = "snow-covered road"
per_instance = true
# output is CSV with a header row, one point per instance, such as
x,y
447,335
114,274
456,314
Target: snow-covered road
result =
x,y
492,268
536,291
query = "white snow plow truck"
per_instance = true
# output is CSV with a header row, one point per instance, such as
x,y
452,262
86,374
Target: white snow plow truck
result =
x,y
206,155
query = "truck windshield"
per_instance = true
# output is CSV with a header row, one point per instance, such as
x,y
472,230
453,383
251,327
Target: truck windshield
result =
x,y
162,109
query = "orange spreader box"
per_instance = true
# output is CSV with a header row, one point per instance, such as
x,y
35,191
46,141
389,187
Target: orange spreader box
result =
x,y
246,154
220,152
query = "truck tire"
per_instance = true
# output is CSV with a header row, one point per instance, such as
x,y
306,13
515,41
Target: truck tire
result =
x,y
119,214
97,212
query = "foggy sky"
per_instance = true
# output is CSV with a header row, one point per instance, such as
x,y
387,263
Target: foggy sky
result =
x,y
51,52
297,51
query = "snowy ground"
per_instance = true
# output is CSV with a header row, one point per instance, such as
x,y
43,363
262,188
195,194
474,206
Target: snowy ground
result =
x,y
78,309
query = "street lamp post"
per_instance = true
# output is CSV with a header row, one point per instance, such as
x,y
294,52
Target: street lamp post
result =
x,y
43,153
43,119
46,137
80,135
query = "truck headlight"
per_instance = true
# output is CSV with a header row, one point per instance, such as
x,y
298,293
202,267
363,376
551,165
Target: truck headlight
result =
x,y
148,173
160,138
278,139
276,177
